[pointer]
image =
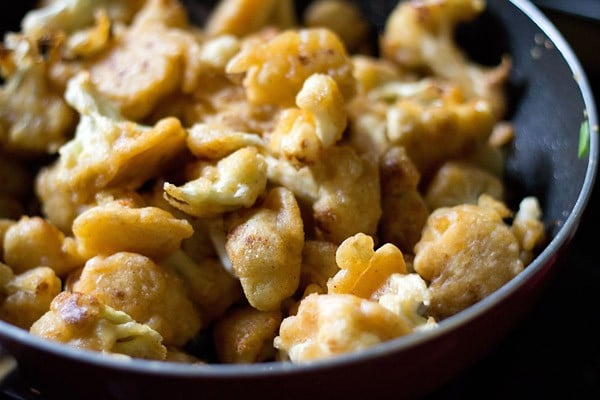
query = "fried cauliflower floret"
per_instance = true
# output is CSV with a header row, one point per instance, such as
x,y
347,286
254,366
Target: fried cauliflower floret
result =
x,y
458,182
407,295
529,228
68,16
298,178
318,122
33,242
244,17
342,17
211,286
116,226
339,184
276,69
466,253
213,141
233,182
26,297
149,293
420,35
332,324
37,124
135,78
109,151
348,196
362,269
245,335
431,119
80,320
318,265
404,210
264,244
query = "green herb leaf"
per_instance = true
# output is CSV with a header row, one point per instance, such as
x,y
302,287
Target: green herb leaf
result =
x,y
584,139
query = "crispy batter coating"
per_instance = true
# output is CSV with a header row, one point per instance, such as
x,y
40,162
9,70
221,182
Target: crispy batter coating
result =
x,y
67,16
109,151
117,226
433,120
149,293
331,324
318,265
276,69
136,79
265,244
349,194
420,34
466,253
318,122
245,335
407,295
335,187
404,210
26,297
362,269
34,242
213,141
529,228
459,183
234,182
82,321
211,286
244,17
342,17
30,125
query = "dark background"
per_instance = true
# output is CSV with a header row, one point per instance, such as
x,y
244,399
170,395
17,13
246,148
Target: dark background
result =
x,y
555,351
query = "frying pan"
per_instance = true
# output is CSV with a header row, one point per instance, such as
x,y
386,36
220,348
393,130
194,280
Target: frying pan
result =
x,y
550,98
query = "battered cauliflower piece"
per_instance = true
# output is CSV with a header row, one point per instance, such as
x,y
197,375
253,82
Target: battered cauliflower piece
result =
x,y
458,182
213,141
419,34
149,293
318,122
68,16
57,205
331,324
245,335
26,297
431,119
342,17
466,253
30,125
407,295
81,321
244,17
404,210
34,242
349,196
234,182
362,269
109,151
5,223
264,245
117,226
318,265
211,286
276,69
299,179
137,79
342,188
529,228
